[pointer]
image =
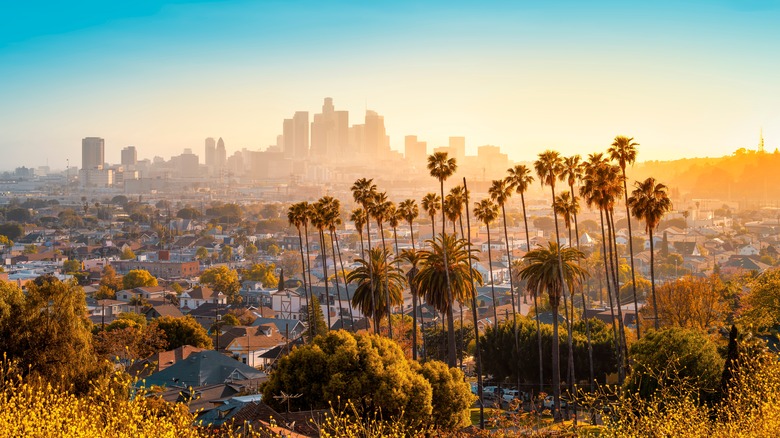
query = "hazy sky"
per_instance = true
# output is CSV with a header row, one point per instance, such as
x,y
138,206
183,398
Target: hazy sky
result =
x,y
685,78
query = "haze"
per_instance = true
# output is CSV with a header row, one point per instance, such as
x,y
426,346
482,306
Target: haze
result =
x,y
691,79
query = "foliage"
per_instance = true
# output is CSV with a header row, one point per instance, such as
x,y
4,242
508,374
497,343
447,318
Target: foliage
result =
x,y
376,277
223,279
126,340
30,249
69,266
182,331
504,361
47,331
5,241
436,341
452,397
138,278
319,327
290,261
761,306
110,280
368,370
689,302
201,253
127,254
674,354
262,272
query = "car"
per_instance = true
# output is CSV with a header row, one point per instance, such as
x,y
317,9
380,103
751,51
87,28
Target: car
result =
x,y
549,402
511,394
490,392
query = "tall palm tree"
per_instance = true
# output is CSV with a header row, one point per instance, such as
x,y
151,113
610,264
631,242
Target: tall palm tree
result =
x,y
601,185
500,191
452,207
394,218
409,210
553,270
458,194
432,279
376,277
379,209
318,214
431,203
295,216
333,220
567,208
358,217
520,179
649,202
413,258
623,150
363,192
487,212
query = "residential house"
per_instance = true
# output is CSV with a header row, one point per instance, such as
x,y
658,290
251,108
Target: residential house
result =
x,y
207,367
193,298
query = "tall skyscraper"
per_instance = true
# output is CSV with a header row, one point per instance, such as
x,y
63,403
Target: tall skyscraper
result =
x,y
129,156
329,132
376,144
415,151
220,156
92,152
458,148
295,134
210,154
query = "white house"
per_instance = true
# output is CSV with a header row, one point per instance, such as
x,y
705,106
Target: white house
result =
x,y
748,250
193,298
287,304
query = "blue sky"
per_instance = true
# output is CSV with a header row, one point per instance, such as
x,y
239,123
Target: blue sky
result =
x,y
684,78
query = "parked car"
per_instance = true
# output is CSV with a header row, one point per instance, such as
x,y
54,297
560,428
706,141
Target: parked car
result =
x,y
549,402
511,394
490,392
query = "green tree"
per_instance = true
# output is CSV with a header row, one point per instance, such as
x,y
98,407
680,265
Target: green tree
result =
x,y
30,249
452,396
667,356
12,230
228,320
70,266
760,305
432,282
48,332
202,253
487,212
226,253
376,277
551,271
262,272
223,279
314,319
127,254
182,331
138,278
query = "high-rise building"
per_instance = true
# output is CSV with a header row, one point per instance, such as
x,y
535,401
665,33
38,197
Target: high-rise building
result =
x,y
188,164
296,136
220,155
129,156
92,152
329,132
415,151
210,154
287,138
376,143
458,148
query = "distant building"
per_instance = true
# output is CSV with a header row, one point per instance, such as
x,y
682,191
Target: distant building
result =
x,y
159,269
329,132
210,152
220,156
415,151
129,156
296,136
92,152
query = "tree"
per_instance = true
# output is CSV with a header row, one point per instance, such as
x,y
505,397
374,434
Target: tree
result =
x,y
12,230
47,330
138,278
261,272
314,319
127,254
487,212
226,253
649,202
251,250
500,191
30,249
292,264
552,271
690,302
182,331
623,150
358,217
202,253
223,279
760,306
675,354
21,215
228,320
127,341
431,203
370,371
110,280
409,211
431,280
188,213
71,266
376,278
452,398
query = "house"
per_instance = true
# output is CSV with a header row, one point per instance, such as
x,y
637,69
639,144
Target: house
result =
x,y
748,250
162,360
193,298
248,344
290,328
206,367
160,310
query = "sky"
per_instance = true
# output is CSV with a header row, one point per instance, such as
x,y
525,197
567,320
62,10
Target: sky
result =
x,y
684,78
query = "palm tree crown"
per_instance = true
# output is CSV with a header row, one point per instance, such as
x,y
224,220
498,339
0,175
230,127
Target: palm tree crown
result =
x,y
376,278
542,271
486,211
623,150
649,201
441,167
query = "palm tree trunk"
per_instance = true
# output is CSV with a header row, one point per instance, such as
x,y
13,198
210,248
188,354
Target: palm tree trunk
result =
x,y
451,359
584,301
313,314
536,305
478,354
608,282
616,284
652,281
492,287
414,303
336,272
325,273
621,324
303,266
370,274
509,263
346,285
556,371
631,252
557,381
387,288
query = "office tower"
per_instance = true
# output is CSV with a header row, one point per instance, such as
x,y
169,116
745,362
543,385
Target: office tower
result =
x,y
129,156
295,134
376,144
329,132
415,151
211,147
458,148
220,155
189,164
287,138
92,152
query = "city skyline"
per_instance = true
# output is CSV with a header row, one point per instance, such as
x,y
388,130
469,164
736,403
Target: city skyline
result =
x,y
685,80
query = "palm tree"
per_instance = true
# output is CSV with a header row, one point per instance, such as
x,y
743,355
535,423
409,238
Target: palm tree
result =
x,y
358,217
409,211
623,150
333,220
500,191
376,278
600,187
296,214
412,257
452,207
553,270
363,192
431,203
649,202
520,179
432,279
318,215
486,212
379,209
458,194
567,208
